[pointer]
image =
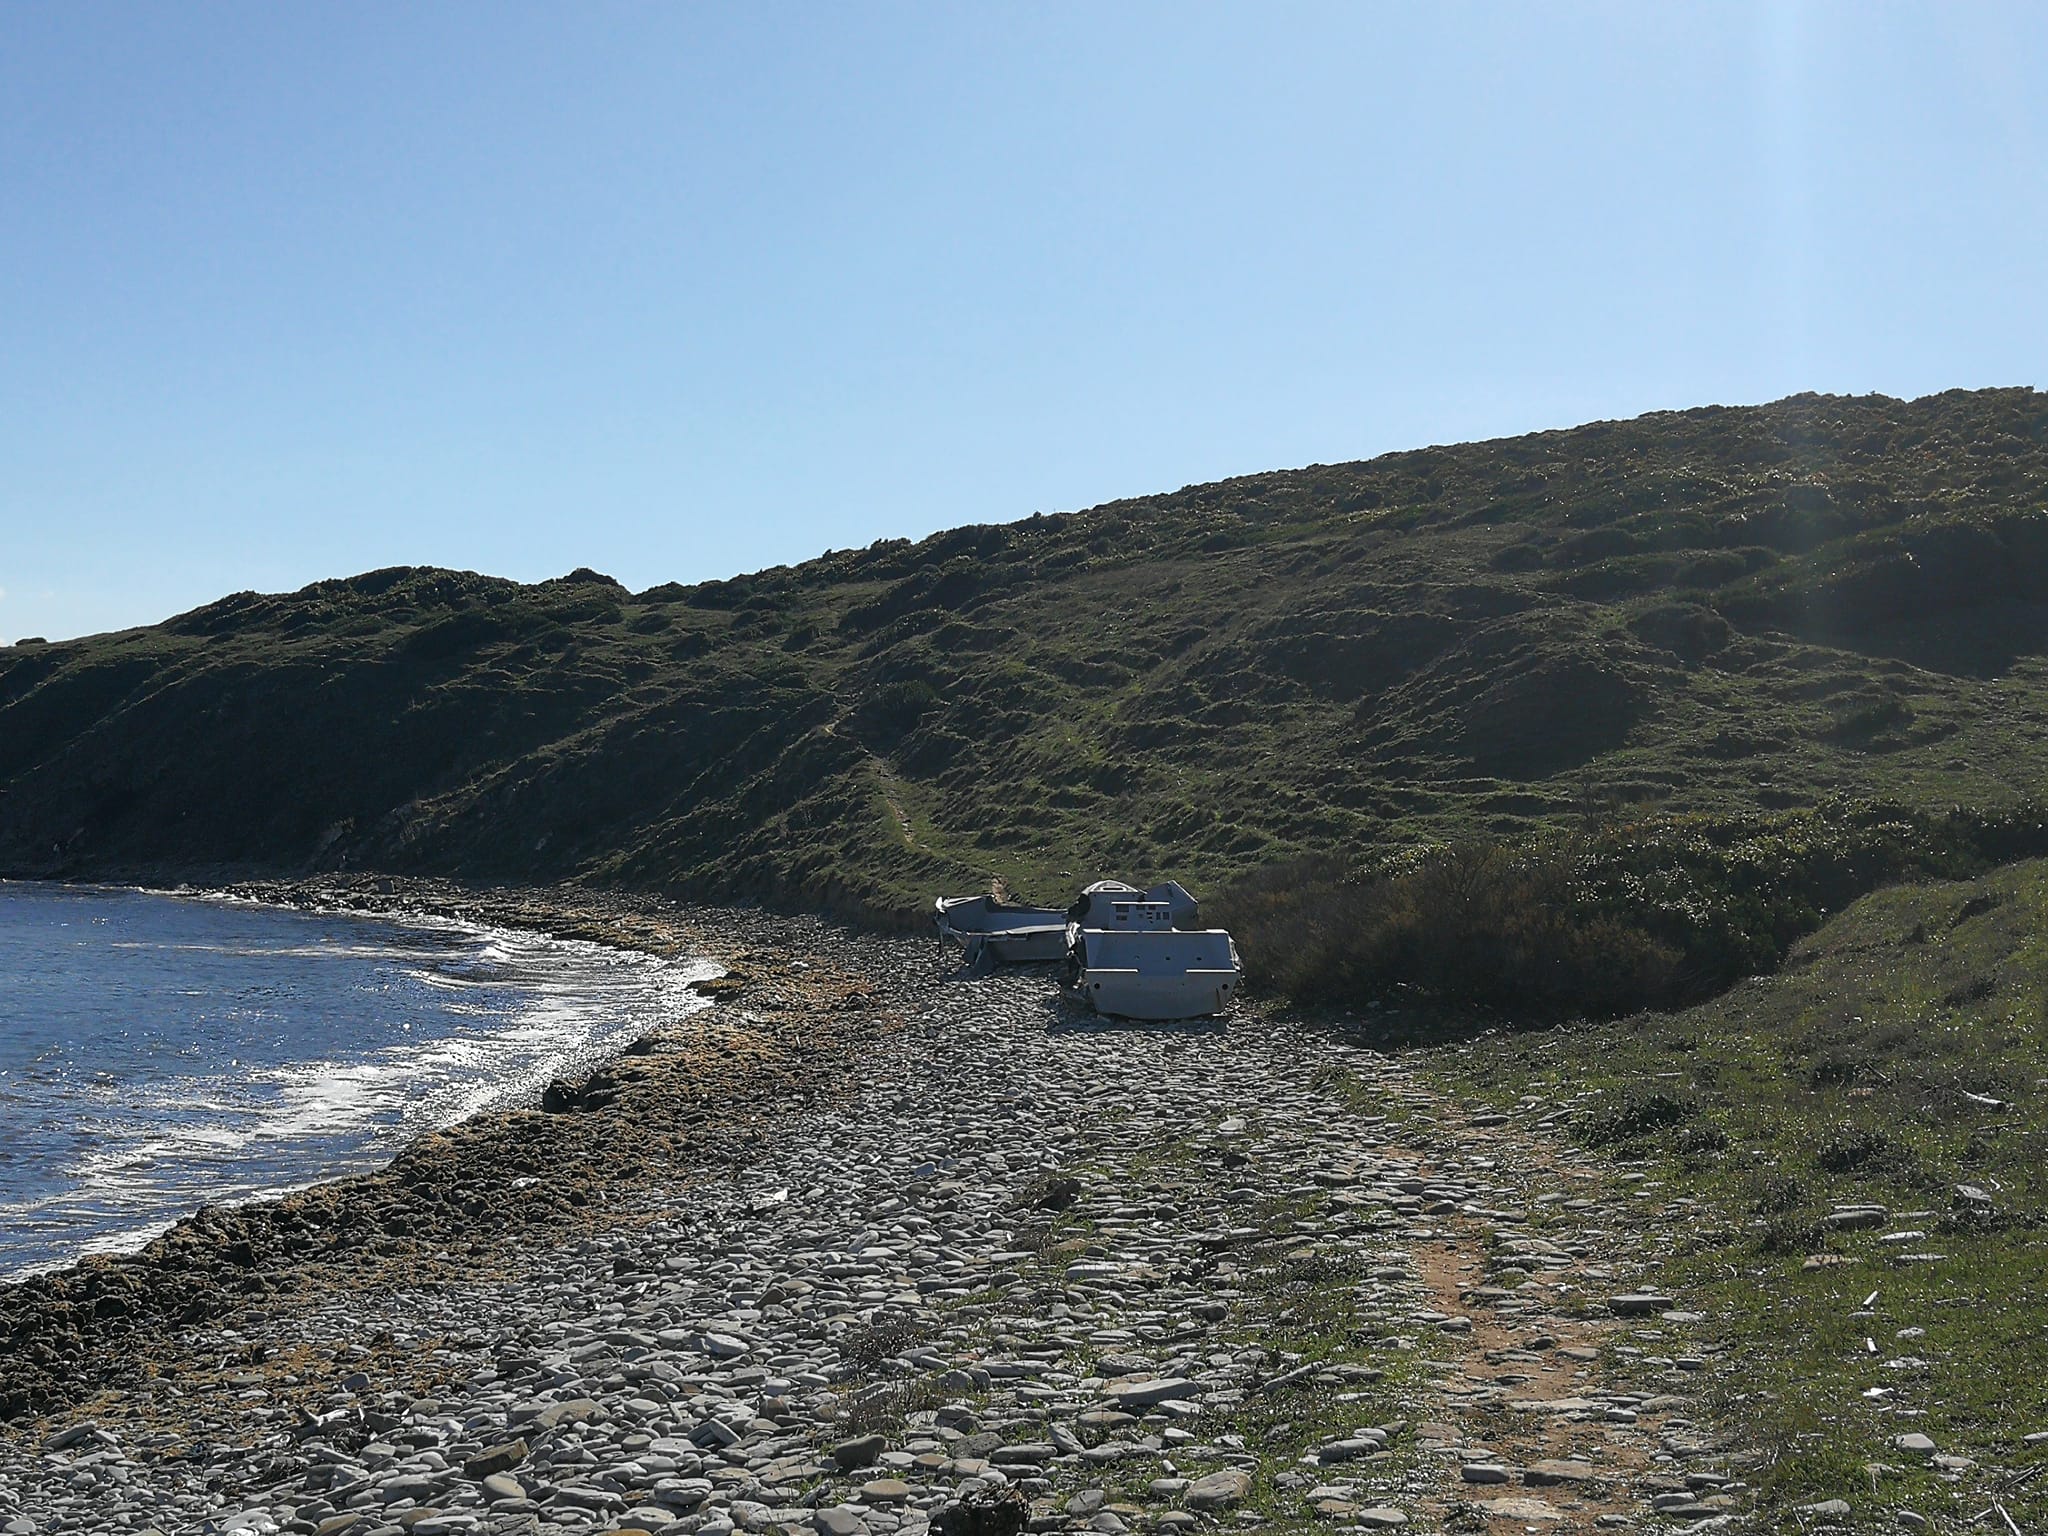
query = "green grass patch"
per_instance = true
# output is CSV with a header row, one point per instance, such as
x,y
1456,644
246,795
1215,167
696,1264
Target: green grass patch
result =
x,y
1899,1060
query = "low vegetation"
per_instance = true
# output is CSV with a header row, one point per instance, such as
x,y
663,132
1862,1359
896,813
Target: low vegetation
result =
x,y
1898,1062
1653,914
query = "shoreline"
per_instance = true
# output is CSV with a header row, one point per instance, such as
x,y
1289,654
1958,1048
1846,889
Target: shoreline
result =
x,y
1137,1272
674,1103
695,977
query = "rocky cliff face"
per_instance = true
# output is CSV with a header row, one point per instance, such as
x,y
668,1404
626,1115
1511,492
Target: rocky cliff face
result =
x,y
1713,610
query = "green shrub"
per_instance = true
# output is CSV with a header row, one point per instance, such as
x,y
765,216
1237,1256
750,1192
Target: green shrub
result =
x,y
1655,914
1476,926
1642,1112
1778,1193
1702,1138
1864,1152
1792,1232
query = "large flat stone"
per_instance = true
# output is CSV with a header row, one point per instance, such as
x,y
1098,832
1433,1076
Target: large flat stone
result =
x,y
1158,1389
861,1452
1219,1490
1639,1304
1521,1511
576,1410
499,1458
1539,1474
502,1488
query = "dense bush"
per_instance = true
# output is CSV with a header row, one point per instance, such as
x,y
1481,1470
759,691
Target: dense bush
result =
x,y
1641,915
1859,1149
1474,925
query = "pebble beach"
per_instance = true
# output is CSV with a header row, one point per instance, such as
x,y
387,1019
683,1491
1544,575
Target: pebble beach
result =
x,y
871,1247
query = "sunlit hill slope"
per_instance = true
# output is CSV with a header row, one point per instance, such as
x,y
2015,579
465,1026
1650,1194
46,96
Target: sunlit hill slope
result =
x,y
1719,610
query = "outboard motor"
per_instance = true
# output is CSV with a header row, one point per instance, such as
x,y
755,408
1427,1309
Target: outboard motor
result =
x,y
1077,962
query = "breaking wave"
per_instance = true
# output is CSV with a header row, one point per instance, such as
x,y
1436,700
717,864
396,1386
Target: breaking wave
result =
x,y
159,1053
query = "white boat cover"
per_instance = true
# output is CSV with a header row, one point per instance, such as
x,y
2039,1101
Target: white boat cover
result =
x,y
1152,952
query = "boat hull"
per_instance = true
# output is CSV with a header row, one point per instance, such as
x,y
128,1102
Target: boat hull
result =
x,y
985,929
1130,994
1016,946
1145,970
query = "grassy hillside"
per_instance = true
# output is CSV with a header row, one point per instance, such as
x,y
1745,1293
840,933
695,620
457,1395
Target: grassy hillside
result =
x,y
1718,612
1898,1062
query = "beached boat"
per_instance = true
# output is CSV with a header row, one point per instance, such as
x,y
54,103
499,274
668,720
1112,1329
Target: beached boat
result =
x,y
1130,957
986,928
1129,953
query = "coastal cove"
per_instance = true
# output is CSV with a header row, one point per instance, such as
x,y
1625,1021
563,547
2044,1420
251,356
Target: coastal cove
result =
x,y
160,1052
870,1234
474,1197
1050,771
842,1247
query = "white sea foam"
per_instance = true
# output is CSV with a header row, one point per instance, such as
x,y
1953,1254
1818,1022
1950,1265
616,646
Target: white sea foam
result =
x,y
425,1024
266,952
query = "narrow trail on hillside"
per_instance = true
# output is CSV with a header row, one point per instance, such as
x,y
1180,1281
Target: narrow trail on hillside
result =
x,y
1149,1278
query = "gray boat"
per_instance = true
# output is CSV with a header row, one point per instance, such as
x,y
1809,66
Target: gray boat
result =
x,y
987,928
1128,952
1135,954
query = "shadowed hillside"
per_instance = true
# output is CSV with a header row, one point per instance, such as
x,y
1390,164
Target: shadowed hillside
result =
x,y
1721,610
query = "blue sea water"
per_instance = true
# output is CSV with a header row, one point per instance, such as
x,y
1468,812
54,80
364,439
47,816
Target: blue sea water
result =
x,y
158,1053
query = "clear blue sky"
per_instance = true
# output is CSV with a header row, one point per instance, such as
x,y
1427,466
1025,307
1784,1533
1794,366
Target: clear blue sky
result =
x,y
675,291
